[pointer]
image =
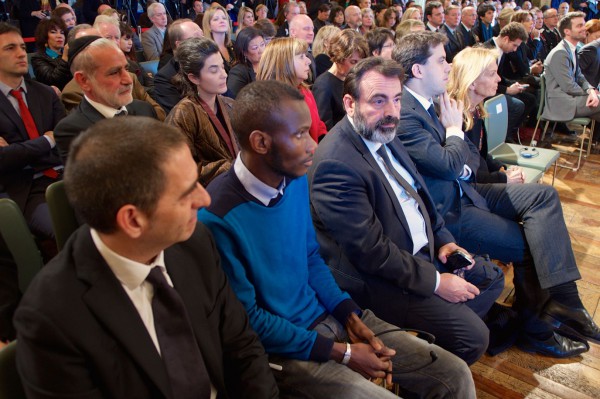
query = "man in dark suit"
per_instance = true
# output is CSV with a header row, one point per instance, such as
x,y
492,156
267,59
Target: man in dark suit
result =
x,y
140,306
100,69
522,223
588,58
386,244
434,16
29,111
450,29
468,19
549,34
290,10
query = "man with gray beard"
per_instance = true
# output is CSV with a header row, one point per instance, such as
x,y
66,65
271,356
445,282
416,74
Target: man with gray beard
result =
x,y
378,227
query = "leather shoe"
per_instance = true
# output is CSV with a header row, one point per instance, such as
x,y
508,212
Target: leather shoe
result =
x,y
556,346
577,319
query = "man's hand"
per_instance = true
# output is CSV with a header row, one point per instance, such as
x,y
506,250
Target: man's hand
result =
x,y
514,88
65,53
592,100
447,250
515,175
537,68
451,112
455,289
3,142
535,33
360,334
371,364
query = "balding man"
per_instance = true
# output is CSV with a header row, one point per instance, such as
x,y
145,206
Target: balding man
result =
x,y
302,28
108,28
100,68
290,10
467,22
353,18
549,35
153,38
165,92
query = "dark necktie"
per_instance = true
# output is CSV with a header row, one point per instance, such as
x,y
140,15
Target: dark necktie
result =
x,y
30,127
123,112
178,347
410,191
436,122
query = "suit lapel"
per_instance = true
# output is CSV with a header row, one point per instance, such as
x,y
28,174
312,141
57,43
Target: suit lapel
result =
x,y
89,112
416,106
7,108
107,300
355,139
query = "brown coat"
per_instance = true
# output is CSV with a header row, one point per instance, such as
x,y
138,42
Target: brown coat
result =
x,y
72,95
209,148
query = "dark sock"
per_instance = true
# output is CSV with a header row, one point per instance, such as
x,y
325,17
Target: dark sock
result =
x,y
566,294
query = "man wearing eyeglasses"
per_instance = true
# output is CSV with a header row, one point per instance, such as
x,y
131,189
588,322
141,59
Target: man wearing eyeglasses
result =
x,y
153,38
549,35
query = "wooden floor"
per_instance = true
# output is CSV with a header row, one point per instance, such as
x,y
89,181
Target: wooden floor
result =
x,y
515,374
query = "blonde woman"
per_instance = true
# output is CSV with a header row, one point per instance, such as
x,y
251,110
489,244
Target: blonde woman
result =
x,y
368,20
474,77
320,47
217,26
245,18
412,13
285,60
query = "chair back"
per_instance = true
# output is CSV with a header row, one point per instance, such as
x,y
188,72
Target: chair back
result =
x,y
20,242
496,123
62,214
10,382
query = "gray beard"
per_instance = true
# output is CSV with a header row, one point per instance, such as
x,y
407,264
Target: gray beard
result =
x,y
376,134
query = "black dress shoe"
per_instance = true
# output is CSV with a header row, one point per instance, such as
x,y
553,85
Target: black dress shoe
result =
x,y
577,319
555,346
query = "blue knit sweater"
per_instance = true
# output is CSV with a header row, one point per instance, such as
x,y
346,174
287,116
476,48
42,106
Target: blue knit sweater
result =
x,y
271,257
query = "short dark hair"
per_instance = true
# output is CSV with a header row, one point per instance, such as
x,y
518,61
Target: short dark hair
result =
x,y
44,27
430,6
416,48
191,54
483,8
119,161
566,21
247,117
9,28
266,27
324,7
242,41
514,31
377,37
387,68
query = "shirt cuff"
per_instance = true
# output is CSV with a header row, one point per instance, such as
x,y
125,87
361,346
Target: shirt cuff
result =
x,y
50,140
437,280
466,174
455,131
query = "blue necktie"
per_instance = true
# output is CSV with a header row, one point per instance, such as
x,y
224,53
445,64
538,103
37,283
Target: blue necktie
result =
x,y
436,122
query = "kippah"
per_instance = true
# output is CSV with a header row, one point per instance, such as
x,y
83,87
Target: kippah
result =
x,y
78,45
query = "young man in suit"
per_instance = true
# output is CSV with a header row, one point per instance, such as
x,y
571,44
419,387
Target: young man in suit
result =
x,y
386,243
568,93
522,223
323,341
136,305
434,16
29,112
100,68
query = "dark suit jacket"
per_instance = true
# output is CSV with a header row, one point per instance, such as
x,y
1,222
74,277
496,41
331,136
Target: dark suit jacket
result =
x,y
455,42
467,36
80,335
84,116
23,157
166,93
361,228
440,160
588,58
505,68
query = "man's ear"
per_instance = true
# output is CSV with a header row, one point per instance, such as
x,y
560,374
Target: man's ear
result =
x,y
349,105
260,142
83,81
416,71
131,221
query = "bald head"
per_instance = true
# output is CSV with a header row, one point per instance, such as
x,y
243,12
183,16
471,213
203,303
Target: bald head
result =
x,y
353,17
302,27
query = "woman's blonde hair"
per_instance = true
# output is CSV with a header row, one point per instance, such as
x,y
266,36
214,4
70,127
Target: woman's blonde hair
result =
x,y
240,17
277,62
323,38
206,22
408,14
467,66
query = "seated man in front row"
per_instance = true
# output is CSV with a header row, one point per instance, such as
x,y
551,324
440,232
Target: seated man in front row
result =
x,y
136,305
378,226
264,232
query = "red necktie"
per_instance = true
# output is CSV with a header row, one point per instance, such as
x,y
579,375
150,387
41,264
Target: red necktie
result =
x,y
32,131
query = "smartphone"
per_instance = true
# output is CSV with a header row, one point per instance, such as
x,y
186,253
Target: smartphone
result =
x,y
524,86
458,260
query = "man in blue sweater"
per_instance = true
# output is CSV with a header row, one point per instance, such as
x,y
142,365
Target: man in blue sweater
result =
x,y
319,340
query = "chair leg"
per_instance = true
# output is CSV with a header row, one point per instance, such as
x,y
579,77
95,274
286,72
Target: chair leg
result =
x,y
545,130
533,143
591,138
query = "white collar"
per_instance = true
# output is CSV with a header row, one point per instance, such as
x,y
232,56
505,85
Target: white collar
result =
x,y
105,110
256,187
